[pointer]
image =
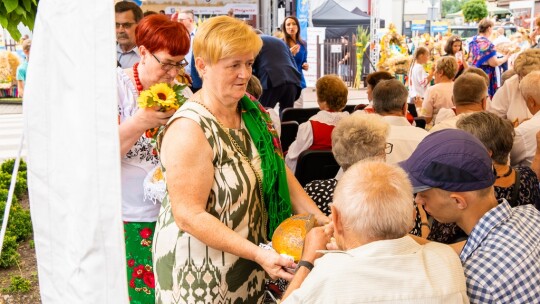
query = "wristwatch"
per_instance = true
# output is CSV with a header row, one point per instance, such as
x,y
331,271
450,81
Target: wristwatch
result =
x,y
306,264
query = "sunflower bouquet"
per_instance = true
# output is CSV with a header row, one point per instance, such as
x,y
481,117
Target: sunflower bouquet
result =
x,y
165,97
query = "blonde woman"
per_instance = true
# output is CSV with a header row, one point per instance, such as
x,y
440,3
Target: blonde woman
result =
x,y
227,184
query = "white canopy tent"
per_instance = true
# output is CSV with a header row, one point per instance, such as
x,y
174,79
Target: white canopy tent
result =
x,y
70,111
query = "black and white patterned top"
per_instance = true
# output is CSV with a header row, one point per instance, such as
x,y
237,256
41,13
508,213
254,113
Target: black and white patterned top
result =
x,y
322,193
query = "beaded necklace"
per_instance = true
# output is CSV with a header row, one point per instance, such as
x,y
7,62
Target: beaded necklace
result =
x,y
136,77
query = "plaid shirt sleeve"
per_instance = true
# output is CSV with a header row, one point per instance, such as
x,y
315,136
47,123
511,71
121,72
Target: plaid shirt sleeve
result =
x,y
501,256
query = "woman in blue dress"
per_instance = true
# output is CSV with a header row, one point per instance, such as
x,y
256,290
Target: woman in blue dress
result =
x,y
291,32
483,55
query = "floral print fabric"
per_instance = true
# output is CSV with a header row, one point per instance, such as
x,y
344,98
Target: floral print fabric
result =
x,y
481,50
140,273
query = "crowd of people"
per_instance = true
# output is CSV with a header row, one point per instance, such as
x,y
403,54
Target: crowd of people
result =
x,y
442,214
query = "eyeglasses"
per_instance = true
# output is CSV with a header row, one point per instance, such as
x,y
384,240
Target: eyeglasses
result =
x,y
169,66
388,148
126,25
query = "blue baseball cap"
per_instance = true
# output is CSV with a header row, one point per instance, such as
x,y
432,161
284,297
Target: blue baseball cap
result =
x,y
451,160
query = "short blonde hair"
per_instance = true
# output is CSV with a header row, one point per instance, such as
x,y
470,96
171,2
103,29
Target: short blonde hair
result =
x,y
332,90
447,65
529,86
527,61
375,200
221,37
359,136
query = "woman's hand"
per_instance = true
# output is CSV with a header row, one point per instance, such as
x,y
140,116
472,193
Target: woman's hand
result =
x,y
152,117
305,66
274,264
295,49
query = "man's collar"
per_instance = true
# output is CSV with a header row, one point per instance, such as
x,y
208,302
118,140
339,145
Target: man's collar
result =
x,y
134,49
487,222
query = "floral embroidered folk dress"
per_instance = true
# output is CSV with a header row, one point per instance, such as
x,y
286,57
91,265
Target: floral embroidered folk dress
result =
x,y
138,213
189,271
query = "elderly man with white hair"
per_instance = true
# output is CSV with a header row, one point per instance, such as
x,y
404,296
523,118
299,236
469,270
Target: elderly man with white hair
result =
x,y
524,147
376,260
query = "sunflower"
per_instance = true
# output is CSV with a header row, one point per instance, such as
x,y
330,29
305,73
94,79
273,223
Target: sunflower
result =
x,y
145,99
164,96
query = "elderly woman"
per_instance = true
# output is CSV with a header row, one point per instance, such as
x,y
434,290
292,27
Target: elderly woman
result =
x,y
439,96
518,185
161,59
228,188
508,102
483,54
355,138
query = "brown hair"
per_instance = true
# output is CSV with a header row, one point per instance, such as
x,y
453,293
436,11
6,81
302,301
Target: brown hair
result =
x,y
374,78
332,90
450,43
124,6
389,96
469,89
477,71
484,25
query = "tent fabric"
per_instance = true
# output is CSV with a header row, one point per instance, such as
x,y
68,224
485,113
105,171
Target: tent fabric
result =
x,y
360,12
331,14
70,111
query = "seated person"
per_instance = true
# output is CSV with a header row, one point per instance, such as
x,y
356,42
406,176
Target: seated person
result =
x,y
518,185
524,147
390,101
508,101
372,79
375,261
315,134
452,173
440,95
469,95
355,138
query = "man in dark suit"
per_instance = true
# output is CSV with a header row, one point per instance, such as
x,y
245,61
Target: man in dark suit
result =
x,y
276,69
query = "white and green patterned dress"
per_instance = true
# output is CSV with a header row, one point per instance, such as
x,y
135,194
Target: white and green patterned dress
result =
x,y
187,270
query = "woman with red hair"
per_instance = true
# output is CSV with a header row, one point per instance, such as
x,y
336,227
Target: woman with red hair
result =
x,y
162,46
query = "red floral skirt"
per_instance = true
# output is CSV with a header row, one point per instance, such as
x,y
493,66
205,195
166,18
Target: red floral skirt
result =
x,y
140,273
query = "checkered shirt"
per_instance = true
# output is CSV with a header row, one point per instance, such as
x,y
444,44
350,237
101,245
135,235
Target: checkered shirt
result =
x,y
502,256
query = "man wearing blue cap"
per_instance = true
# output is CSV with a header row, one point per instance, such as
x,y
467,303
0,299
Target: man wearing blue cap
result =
x,y
452,174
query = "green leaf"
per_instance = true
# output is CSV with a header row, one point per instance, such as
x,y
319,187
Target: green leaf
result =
x,y
11,5
3,21
19,10
14,31
27,5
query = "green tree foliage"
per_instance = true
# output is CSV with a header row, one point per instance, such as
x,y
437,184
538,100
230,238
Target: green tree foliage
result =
x,y
475,10
452,6
13,12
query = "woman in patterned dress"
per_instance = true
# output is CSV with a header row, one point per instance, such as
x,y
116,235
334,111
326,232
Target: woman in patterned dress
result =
x,y
161,59
228,187
483,55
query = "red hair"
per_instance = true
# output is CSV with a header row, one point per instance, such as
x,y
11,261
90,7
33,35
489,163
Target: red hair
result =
x,y
158,33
